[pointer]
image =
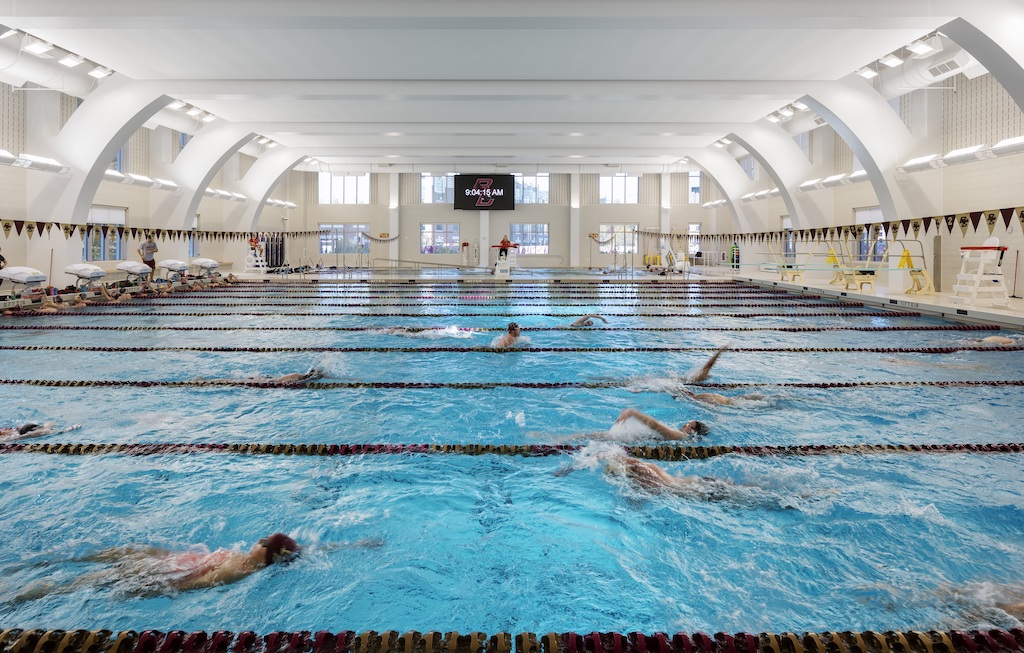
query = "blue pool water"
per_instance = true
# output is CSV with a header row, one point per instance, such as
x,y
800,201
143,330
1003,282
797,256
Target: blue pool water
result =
x,y
501,543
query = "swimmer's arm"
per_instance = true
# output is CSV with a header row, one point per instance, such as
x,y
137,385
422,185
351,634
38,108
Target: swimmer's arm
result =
x,y
661,429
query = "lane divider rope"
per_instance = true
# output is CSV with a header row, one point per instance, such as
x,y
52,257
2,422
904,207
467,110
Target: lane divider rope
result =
x,y
491,350
430,385
95,313
784,329
650,452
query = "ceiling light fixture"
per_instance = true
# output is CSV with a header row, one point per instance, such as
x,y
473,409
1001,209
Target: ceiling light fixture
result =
x,y
99,72
262,140
867,73
786,111
920,47
773,118
271,144
209,117
10,32
176,104
194,112
71,60
37,47
800,106
890,60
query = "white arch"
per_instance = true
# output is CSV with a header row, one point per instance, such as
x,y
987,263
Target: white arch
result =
x,y
88,143
727,174
258,183
993,38
194,169
787,166
879,140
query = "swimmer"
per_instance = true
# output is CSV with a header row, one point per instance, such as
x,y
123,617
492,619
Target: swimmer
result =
x,y
295,378
998,340
716,399
651,477
705,371
509,338
690,430
150,571
114,298
586,321
51,307
25,431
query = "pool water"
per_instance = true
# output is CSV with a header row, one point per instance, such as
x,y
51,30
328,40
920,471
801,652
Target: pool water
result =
x,y
509,543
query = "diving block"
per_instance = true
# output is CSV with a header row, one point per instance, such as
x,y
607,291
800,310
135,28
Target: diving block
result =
x,y
22,276
205,265
173,267
136,271
85,272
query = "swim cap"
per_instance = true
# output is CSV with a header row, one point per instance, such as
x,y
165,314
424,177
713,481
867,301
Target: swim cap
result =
x,y
512,326
281,546
26,428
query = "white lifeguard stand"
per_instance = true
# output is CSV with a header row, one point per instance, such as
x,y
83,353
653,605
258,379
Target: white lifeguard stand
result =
x,y
980,276
254,262
503,267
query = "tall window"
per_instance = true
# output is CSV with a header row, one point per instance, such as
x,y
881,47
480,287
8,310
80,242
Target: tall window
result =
x,y
120,162
531,189
694,187
870,249
623,238
343,189
439,238
693,238
193,238
437,190
102,241
620,189
749,166
344,238
532,237
183,140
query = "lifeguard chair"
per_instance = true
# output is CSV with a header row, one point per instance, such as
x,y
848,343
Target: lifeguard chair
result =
x,y
981,276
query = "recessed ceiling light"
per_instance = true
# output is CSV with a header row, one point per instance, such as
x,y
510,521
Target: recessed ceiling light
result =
x,y
867,73
773,118
37,47
209,117
890,60
920,47
99,72
575,156
271,144
262,140
194,112
574,134
800,106
71,60
392,133
176,104
10,32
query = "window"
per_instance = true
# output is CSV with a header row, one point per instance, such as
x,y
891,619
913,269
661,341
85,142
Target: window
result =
x,y
120,161
694,187
344,239
439,238
105,240
193,238
693,238
870,249
531,190
183,140
619,189
438,190
749,166
532,238
623,238
343,189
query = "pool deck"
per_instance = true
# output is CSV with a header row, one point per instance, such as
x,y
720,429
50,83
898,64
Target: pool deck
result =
x,y
939,304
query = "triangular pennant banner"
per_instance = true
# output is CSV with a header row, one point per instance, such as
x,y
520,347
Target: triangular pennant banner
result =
x,y
19,225
965,220
49,226
906,226
30,228
927,222
990,221
68,230
7,225
975,219
40,227
1007,217
950,221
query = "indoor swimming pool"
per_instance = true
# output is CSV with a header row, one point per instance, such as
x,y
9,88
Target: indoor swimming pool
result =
x,y
883,540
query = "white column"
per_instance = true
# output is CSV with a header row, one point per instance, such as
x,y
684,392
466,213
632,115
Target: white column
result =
x,y
485,239
393,214
574,220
